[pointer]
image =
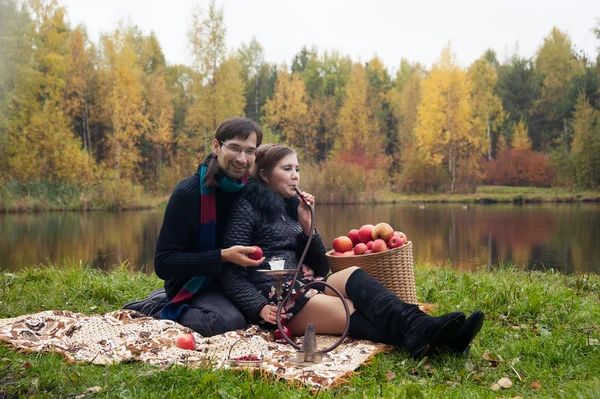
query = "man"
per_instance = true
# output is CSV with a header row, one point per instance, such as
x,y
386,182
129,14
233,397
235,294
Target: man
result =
x,y
188,254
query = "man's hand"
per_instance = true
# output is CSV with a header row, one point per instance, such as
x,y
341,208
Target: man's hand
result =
x,y
237,255
268,313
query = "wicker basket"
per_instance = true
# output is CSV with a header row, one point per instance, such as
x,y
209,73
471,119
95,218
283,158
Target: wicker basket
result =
x,y
393,268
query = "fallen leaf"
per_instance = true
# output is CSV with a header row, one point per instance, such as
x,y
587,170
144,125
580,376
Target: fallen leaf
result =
x,y
390,375
27,365
493,358
494,387
88,391
593,342
535,385
414,371
505,383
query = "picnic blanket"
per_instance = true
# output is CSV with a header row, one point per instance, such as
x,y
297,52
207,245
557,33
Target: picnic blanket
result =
x,y
126,335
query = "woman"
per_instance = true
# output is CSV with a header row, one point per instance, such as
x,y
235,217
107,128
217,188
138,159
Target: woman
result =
x,y
269,214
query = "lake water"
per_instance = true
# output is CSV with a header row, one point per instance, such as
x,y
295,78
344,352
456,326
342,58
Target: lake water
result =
x,y
565,237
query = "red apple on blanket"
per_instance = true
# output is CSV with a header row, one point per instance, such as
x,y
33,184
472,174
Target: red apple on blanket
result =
x,y
365,233
185,341
257,254
342,244
395,242
360,248
379,246
382,231
353,235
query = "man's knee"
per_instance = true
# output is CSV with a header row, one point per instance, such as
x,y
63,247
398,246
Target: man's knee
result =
x,y
212,313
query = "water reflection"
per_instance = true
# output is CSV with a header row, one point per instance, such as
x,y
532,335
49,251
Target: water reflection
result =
x,y
559,236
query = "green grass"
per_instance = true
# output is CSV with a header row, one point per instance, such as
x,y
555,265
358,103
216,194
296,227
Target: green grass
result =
x,y
544,326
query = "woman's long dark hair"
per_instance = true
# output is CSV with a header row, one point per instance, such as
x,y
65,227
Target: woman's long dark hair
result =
x,y
235,127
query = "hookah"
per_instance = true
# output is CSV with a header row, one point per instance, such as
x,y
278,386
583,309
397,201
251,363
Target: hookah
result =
x,y
308,353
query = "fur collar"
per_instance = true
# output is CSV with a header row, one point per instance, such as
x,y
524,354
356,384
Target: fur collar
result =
x,y
268,202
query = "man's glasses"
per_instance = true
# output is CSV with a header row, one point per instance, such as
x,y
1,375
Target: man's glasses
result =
x,y
237,150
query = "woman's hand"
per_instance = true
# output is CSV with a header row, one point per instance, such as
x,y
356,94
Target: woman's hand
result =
x,y
307,271
268,313
237,255
304,212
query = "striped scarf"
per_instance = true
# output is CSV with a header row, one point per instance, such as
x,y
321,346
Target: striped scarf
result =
x,y
208,218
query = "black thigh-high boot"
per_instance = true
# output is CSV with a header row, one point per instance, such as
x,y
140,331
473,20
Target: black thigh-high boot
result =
x,y
407,325
362,328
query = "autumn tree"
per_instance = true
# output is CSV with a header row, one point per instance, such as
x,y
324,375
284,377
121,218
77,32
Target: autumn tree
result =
x,y
125,108
257,76
218,89
585,149
160,117
558,67
41,145
487,106
357,127
520,137
446,131
286,112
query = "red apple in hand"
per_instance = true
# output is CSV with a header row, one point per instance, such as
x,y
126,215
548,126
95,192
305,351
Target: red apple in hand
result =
x,y
360,248
364,233
342,244
353,235
257,254
185,341
379,246
383,231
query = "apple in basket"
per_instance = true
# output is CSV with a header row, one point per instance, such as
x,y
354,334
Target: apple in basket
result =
x,y
395,242
382,231
353,235
360,248
185,341
365,233
379,246
401,235
342,244
257,254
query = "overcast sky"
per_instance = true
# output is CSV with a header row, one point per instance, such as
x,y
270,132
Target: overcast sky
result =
x,y
415,30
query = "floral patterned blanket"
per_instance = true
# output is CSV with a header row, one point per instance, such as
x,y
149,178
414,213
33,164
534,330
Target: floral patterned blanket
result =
x,y
126,335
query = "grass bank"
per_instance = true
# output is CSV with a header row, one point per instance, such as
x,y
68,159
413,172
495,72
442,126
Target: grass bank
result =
x,y
122,195
37,196
499,194
542,332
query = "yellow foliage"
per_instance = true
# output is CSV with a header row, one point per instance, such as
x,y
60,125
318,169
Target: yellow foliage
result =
x,y
286,113
520,140
445,131
357,128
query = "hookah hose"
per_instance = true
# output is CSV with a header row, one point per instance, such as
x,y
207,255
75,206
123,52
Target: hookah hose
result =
x,y
295,278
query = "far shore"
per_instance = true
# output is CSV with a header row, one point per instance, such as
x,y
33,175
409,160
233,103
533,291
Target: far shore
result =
x,y
481,195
